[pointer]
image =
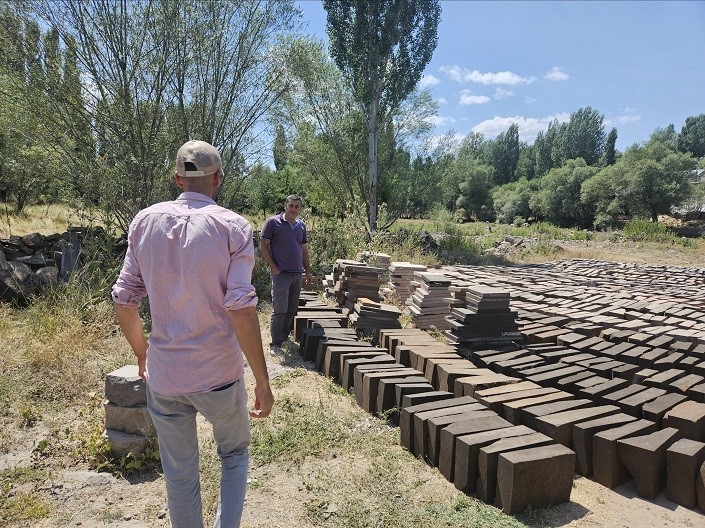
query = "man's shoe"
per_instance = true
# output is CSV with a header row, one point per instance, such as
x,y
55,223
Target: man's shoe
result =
x,y
275,350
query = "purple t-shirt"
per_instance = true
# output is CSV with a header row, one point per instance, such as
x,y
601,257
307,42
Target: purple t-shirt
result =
x,y
285,241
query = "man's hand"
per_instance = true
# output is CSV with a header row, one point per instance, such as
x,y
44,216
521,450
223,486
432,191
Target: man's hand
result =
x,y
309,277
264,401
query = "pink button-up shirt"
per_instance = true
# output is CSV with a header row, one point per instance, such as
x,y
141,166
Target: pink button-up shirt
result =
x,y
194,260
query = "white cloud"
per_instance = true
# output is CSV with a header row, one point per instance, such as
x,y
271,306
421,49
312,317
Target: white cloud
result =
x,y
501,93
629,116
529,100
428,80
447,142
467,99
441,100
528,126
439,120
459,74
556,74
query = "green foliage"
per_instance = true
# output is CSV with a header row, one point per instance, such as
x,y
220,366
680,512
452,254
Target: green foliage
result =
x,y
476,193
382,49
558,197
645,231
505,155
692,137
511,201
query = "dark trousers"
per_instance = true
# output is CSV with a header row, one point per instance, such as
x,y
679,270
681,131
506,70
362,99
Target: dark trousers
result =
x,y
286,288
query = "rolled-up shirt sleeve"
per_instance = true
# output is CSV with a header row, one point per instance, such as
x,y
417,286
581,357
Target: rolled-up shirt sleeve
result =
x,y
129,289
240,292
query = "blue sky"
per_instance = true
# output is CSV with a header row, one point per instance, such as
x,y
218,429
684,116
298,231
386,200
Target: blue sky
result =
x,y
641,64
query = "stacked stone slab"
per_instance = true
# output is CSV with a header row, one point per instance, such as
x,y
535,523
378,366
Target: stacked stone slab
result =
x,y
368,317
428,305
485,320
401,274
377,260
128,425
356,281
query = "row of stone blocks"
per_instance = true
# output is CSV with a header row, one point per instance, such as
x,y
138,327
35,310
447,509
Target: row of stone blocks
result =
x,y
128,425
509,460
626,441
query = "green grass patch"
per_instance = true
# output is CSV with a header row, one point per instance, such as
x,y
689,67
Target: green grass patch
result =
x,y
646,231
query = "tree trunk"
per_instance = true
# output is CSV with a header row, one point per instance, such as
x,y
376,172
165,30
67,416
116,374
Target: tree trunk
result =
x,y
373,137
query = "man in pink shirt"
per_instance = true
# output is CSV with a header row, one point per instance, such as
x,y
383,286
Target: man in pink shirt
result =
x,y
193,260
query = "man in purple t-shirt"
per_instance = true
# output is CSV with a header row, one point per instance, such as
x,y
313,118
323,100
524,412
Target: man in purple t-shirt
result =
x,y
284,245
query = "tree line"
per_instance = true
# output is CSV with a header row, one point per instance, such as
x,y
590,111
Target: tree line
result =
x,y
97,95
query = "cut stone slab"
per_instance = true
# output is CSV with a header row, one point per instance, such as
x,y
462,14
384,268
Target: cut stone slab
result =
x,y
683,461
331,362
663,379
505,389
583,434
367,383
697,393
700,487
689,418
125,388
406,417
431,450
386,390
534,478
645,458
568,383
446,451
363,353
607,468
446,376
512,410
551,378
495,402
419,441
656,409
633,404
467,386
409,400
529,414
684,384
488,457
559,426
626,392
597,391
467,448
347,375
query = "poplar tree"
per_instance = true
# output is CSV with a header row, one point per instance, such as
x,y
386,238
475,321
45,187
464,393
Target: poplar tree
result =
x,y
382,48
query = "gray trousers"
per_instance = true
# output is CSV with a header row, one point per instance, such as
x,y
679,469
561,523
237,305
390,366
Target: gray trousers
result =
x,y
286,288
175,420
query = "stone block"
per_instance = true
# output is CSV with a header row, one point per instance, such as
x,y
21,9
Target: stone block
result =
x,y
132,420
331,361
534,478
466,386
645,458
467,448
366,384
596,392
406,416
386,390
689,418
446,448
700,487
583,434
656,409
634,403
347,375
431,450
125,388
512,410
683,461
607,468
419,424
409,400
559,426
123,444
488,457
529,414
